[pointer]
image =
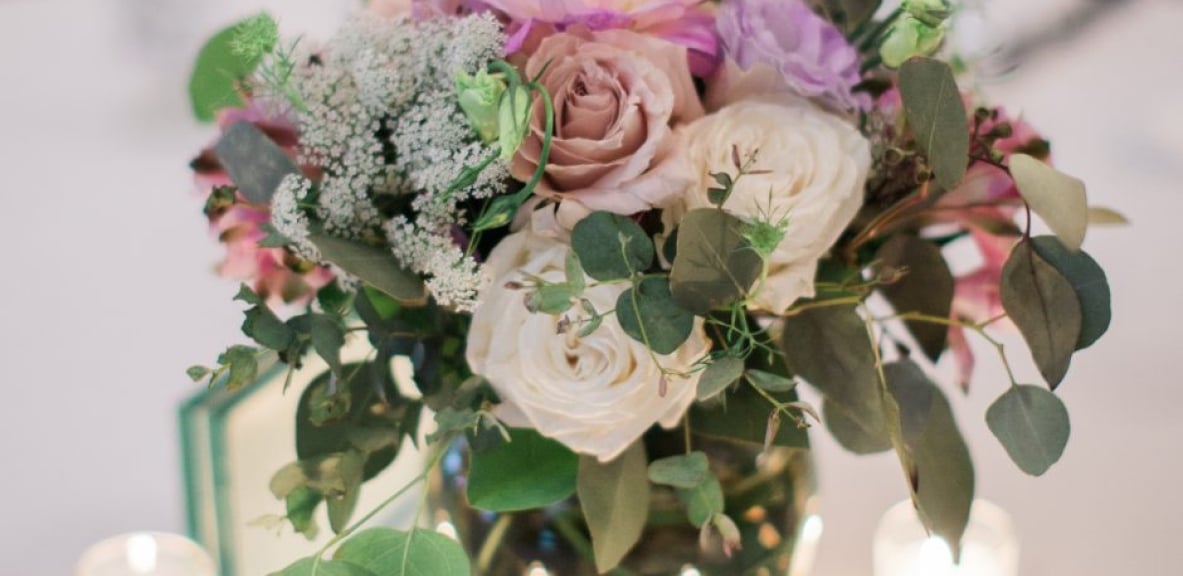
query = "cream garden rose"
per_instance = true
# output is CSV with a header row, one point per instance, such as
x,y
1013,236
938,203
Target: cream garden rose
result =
x,y
596,394
813,168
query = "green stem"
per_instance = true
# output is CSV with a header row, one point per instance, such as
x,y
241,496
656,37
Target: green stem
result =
x,y
978,327
492,543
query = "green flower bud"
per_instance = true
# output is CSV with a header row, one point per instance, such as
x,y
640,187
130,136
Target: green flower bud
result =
x,y
479,96
909,37
514,120
931,12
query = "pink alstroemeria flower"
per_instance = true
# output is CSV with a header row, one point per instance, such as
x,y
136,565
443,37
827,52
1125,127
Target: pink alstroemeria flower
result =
x,y
273,273
689,23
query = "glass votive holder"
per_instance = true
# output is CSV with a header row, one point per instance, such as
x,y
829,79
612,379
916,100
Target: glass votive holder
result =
x,y
146,554
903,548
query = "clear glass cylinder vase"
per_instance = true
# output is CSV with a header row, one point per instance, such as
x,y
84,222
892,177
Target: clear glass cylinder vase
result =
x,y
769,502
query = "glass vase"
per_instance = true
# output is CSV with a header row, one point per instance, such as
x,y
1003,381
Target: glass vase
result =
x,y
770,503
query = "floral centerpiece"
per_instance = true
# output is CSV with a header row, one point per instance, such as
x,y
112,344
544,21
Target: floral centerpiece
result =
x,y
612,238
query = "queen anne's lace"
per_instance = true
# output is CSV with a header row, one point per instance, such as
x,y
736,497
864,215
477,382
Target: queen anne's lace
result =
x,y
380,117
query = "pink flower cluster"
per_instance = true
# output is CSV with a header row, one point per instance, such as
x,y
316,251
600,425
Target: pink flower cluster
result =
x,y
274,273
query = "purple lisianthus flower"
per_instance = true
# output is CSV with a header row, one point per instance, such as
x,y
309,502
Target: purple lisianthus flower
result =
x,y
688,23
808,51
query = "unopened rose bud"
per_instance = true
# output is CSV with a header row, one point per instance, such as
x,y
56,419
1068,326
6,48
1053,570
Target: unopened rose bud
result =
x,y
480,98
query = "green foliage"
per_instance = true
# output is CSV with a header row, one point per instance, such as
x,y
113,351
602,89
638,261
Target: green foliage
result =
x,y
926,288
242,365
1088,281
255,164
611,246
614,497
310,567
829,347
743,417
198,373
321,431
849,15
684,471
719,374
703,501
375,266
1032,424
648,314
328,338
935,456
255,37
551,299
388,552
933,107
264,327
851,434
529,471
769,382
1044,305
220,68
1056,197
340,504
301,504
715,265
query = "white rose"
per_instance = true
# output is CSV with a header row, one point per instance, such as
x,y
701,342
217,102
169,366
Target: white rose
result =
x,y
596,394
816,167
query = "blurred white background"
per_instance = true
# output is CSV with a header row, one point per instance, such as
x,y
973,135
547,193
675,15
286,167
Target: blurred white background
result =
x,y
109,292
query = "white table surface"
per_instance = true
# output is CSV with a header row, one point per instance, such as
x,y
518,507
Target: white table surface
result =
x,y
107,293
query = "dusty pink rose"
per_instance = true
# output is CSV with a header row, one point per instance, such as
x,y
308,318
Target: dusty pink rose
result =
x,y
617,96
273,273
689,23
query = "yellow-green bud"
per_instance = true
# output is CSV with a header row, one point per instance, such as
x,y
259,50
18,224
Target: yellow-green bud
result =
x,y
909,37
931,12
513,120
479,97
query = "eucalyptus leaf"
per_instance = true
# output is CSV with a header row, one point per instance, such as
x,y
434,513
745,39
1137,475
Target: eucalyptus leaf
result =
x,y
743,417
614,497
769,382
940,471
1044,305
719,374
682,471
341,505
1088,281
375,266
255,163
529,471
551,299
715,266
703,501
1056,197
648,314
244,365
829,347
1032,424
264,327
1102,216
327,339
927,288
851,434
366,410
217,73
611,246
936,114
389,552
309,567
301,506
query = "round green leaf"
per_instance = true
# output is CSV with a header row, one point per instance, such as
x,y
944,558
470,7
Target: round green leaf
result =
x,y
529,471
338,433
851,434
611,246
933,107
1089,282
715,265
703,501
1056,197
213,85
1043,304
1032,424
649,315
683,471
309,567
389,552
769,382
720,374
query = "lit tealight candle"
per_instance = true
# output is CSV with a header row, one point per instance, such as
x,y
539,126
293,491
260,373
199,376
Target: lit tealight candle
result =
x,y
988,548
146,554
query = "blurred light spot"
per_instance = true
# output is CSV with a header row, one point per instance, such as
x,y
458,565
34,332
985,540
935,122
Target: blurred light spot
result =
x,y
537,569
935,558
811,530
447,529
689,570
755,514
768,536
141,553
